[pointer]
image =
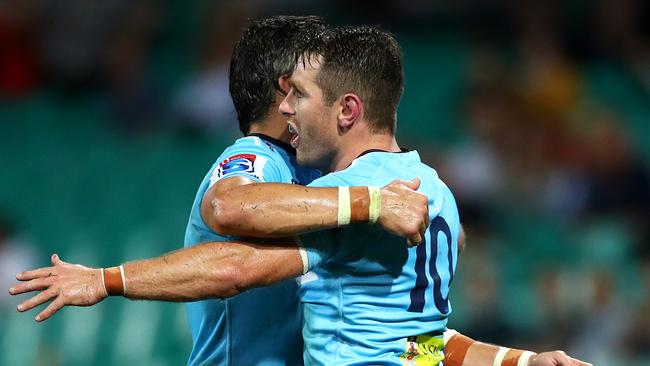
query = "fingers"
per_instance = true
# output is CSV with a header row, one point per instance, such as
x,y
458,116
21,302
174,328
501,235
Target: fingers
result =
x,y
425,223
54,306
56,260
37,300
413,184
414,240
563,359
36,284
576,362
417,238
36,273
40,272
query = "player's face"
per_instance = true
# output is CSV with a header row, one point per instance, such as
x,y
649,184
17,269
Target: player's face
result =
x,y
312,122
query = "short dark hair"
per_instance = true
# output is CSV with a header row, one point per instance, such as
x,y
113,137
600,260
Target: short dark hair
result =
x,y
366,61
267,50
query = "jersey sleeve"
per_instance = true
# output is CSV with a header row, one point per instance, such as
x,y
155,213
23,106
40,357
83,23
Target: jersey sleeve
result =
x,y
249,159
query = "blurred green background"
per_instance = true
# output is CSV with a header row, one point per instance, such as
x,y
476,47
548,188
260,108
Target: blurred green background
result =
x,y
536,115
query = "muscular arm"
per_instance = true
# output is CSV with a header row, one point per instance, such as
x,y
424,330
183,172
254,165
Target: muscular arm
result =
x,y
209,270
239,206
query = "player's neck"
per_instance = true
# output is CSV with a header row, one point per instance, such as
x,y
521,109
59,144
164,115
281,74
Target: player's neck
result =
x,y
355,146
273,126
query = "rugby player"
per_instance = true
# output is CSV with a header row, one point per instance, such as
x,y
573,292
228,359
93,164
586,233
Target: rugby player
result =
x,y
235,263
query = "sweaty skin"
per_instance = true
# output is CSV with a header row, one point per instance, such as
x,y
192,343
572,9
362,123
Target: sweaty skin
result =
x,y
238,206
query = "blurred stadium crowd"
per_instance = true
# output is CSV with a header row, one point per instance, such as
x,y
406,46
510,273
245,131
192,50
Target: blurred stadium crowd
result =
x,y
537,115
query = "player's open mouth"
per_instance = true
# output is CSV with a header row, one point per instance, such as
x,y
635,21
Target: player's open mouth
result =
x,y
295,139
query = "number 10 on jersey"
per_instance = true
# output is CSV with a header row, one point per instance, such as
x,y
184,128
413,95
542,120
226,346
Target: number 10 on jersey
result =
x,y
437,226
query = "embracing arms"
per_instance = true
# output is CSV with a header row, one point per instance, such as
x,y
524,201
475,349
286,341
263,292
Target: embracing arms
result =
x,y
239,206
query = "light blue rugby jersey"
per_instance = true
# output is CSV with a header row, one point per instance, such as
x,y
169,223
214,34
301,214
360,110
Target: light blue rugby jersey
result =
x,y
366,292
260,326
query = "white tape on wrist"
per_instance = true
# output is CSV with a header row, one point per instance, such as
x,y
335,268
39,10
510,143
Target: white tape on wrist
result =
x,y
446,336
104,282
345,209
374,209
123,278
498,359
303,255
523,359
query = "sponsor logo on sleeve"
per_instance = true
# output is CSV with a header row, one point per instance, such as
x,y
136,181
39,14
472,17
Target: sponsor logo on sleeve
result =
x,y
250,164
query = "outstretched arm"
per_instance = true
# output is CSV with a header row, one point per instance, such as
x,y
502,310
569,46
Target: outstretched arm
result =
x,y
208,270
461,350
238,206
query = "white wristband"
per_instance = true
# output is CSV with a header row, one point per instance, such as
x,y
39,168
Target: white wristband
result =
x,y
104,282
374,209
345,209
446,336
523,359
303,254
498,359
123,278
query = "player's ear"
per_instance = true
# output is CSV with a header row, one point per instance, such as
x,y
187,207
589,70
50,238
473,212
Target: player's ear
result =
x,y
350,111
283,82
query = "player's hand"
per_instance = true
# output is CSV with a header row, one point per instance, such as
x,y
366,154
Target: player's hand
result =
x,y
404,211
63,283
555,358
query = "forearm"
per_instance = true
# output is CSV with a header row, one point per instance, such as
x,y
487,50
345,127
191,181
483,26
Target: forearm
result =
x,y
480,354
280,210
210,270
461,350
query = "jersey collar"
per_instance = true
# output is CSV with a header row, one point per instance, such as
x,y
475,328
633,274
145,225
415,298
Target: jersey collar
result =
x,y
281,144
402,150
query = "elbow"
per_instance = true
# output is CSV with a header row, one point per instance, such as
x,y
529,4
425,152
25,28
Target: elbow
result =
x,y
224,218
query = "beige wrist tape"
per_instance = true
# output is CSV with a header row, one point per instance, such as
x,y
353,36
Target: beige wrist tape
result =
x,y
355,206
498,359
523,359
516,357
345,208
374,209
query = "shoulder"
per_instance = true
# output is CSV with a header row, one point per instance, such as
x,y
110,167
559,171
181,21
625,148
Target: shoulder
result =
x,y
250,156
251,149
